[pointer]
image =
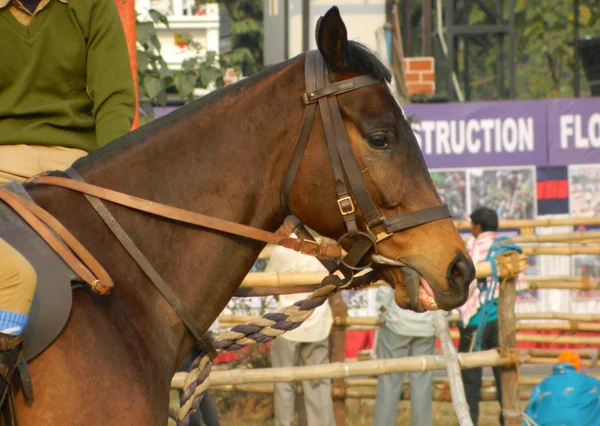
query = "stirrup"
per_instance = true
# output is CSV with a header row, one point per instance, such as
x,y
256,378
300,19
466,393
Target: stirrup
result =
x,y
11,349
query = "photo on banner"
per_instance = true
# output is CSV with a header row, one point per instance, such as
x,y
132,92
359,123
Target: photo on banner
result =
x,y
584,187
452,187
510,191
587,266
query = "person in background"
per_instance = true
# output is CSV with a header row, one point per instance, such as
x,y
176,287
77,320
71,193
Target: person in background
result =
x,y
66,88
484,227
403,333
306,345
567,397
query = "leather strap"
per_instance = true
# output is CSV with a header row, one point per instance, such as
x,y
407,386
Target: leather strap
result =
x,y
353,173
309,116
192,218
68,248
338,88
160,284
345,166
345,203
416,218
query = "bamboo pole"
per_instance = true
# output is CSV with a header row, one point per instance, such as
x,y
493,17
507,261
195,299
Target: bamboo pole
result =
x,y
551,339
584,237
574,321
555,238
507,339
291,279
457,389
554,339
534,223
338,342
558,316
560,250
570,326
341,370
585,285
583,353
552,361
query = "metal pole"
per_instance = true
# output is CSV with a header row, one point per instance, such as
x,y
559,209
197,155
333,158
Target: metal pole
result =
x,y
407,27
466,70
426,28
511,50
305,23
500,45
286,29
451,46
576,47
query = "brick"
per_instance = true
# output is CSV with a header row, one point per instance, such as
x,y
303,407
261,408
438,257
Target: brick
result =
x,y
412,76
427,76
422,63
420,88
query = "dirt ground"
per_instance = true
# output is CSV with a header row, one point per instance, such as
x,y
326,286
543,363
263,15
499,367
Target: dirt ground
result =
x,y
257,410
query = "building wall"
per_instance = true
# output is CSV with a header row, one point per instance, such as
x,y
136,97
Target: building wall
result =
x,y
202,25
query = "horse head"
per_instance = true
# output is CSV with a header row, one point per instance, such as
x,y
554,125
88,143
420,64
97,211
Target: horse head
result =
x,y
385,187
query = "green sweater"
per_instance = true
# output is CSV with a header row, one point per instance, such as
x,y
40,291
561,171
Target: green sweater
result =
x,y
65,79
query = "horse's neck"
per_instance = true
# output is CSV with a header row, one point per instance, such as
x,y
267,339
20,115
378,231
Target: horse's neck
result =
x,y
225,160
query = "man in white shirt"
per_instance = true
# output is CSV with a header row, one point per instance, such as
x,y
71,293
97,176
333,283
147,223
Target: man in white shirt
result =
x,y
403,333
306,345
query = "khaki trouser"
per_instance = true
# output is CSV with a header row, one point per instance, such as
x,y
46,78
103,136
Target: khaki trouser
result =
x,y
20,162
318,405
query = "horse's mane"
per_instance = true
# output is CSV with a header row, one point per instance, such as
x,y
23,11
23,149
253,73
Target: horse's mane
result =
x,y
362,61
366,62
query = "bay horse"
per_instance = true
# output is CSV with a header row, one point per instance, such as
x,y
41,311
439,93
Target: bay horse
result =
x,y
225,155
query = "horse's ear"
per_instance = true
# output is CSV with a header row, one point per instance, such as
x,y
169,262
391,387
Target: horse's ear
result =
x,y
332,39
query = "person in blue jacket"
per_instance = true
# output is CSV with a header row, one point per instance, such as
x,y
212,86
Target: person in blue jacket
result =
x,y
567,397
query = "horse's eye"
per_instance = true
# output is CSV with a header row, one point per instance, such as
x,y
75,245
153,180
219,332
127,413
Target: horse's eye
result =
x,y
378,140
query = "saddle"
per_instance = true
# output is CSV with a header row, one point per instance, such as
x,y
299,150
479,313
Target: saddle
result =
x,y
51,303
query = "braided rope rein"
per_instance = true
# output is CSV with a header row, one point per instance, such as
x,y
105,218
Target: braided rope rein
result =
x,y
256,330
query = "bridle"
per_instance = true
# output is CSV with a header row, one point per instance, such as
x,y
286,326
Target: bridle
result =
x,y
346,169
345,166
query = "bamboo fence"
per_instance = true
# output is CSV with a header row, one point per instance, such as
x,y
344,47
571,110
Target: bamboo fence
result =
x,y
299,279
507,358
535,223
569,323
344,370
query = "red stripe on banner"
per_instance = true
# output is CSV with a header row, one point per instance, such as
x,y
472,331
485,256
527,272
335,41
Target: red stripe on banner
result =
x,y
552,189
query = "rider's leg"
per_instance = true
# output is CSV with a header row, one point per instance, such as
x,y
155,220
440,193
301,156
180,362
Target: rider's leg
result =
x,y
17,277
17,287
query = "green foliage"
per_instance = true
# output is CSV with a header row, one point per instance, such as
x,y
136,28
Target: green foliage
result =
x,y
246,36
544,56
154,75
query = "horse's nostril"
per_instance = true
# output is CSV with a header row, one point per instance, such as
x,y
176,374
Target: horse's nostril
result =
x,y
461,271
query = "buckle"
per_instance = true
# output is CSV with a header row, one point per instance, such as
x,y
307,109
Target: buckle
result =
x,y
346,205
312,250
99,287
382,236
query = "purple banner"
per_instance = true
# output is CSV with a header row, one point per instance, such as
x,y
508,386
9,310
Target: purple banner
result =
x,y
479,134
574,131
